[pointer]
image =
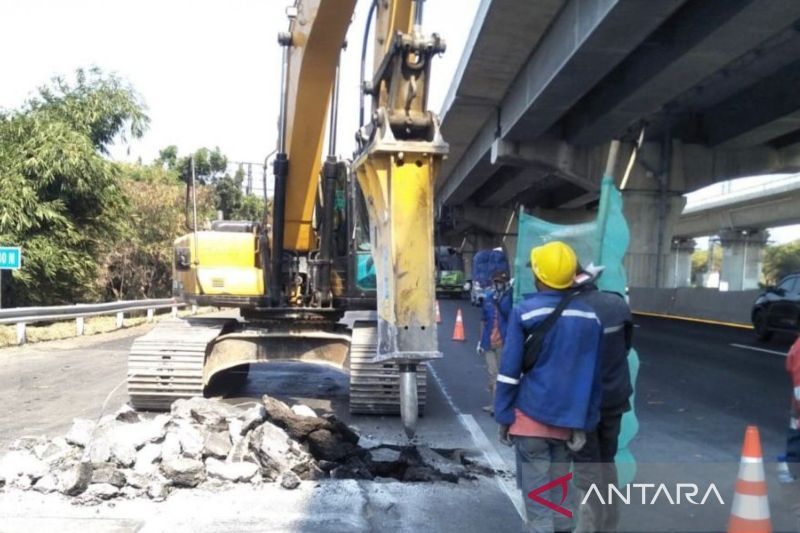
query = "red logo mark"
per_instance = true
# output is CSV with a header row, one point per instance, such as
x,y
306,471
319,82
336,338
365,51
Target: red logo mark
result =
x,y
562,482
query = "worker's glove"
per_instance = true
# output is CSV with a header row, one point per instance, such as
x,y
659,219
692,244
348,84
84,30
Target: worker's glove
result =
x,y
577,440
502,435
479,350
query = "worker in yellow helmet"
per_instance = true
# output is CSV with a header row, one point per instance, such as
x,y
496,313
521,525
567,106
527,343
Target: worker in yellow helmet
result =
x,y
548,387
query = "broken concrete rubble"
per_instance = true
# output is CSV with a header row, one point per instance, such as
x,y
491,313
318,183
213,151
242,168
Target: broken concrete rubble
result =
x,y
208,444
80,433
289,480
46,484
22,463
74,479
107,473
183,472
146,458
235,472
217,444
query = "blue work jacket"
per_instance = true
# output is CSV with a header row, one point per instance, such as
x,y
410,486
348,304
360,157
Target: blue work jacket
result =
x,y
564,387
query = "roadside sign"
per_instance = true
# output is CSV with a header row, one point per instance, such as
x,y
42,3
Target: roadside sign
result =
x,y
10,257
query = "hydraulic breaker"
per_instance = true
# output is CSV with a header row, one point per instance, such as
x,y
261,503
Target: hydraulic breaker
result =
x,y
397,178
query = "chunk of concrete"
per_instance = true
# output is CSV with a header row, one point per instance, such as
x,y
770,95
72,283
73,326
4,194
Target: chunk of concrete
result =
x,y
209,413
107,473
271,446
146,458
217,444
74,479
236,472
191,439
123,453
52,451
22,482
171,447
100,491
22,463
183,471
290,480
99,449
136,480
158,490
127,414
81,432
131,493
47,484
250,419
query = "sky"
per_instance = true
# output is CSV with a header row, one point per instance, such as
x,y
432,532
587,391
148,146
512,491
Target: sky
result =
x,y
207,70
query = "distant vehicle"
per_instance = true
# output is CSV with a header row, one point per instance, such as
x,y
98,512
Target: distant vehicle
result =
x,y
450,277
778,308
484,264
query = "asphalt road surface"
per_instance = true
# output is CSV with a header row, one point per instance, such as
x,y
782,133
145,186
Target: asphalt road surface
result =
x,y
698,387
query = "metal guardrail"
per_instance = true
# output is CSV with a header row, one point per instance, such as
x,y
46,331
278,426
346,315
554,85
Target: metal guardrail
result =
x,y
21,316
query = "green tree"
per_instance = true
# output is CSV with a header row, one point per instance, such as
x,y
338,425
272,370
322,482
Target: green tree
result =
x,y
209,166
252,208
700,262
168,157
140,264
229,195
781,260
59,197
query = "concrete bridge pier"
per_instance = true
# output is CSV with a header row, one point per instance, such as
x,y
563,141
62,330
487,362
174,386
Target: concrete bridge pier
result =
x,y
742,257
679,262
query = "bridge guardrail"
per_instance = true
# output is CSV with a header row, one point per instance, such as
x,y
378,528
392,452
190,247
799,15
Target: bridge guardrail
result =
x,y
21,316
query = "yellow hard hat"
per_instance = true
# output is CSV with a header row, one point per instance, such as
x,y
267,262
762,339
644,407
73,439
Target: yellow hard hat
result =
x,y
554,264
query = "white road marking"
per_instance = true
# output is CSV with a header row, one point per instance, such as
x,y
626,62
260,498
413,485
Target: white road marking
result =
x,y
482,443
755,349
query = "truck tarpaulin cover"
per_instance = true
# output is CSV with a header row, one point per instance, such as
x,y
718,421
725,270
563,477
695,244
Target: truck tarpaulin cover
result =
x,y
602,242
485,263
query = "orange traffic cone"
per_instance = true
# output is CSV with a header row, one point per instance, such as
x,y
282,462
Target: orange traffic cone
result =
x,y
750,510
458,330
438,315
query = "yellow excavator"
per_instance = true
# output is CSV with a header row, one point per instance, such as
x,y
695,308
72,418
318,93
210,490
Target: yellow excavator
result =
x,y
345,235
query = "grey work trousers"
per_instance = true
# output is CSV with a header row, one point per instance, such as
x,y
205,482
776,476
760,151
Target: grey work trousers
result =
x,y
492,367
540,461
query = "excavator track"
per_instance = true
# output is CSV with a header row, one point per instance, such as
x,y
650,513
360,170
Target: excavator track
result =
x,y
166,363
375,387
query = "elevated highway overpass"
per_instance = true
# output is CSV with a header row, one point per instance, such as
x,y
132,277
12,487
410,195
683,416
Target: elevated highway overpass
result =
x,y
767,205
739,219
543,87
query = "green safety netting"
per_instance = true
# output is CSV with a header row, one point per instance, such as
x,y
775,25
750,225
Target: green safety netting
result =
x,y
602,242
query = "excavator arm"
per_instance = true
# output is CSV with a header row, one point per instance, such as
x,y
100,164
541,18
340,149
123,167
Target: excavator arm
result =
x,y
399,153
